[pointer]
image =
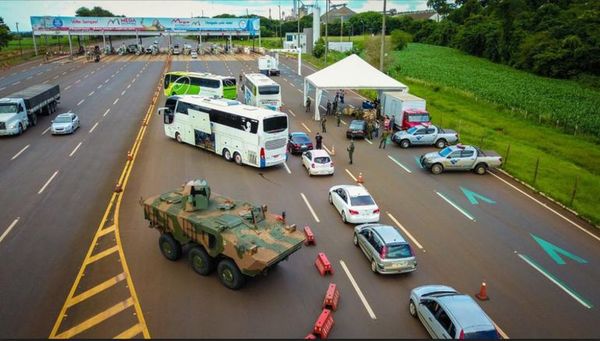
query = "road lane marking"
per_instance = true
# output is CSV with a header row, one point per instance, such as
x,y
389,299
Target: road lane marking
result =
x,y
369,141
91,93
131,332
123,92
99,86
20,151
83,100
128,86
115,102
556,281
94,127
106,81
106,112
46,81
75,150
133,81
30,77
16,83
456,206
39,73
101,255
414,240
64,73
117,308
95,290
2,88
86,76
67,87
352,176
287,168
546,206
45,131
77,81
47,183
10,227
291,112
310,208
358,291
305,127
344,123
399,164
328,151
500,331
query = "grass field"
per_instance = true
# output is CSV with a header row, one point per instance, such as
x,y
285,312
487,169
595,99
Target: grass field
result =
x,y
461,94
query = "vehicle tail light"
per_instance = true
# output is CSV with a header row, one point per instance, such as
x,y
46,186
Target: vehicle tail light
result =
x,y
384,251
462,335
312,165
353,212
331,163
262,153
376,210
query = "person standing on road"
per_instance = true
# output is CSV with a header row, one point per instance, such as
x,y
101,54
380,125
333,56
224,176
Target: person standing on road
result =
x,y
328,108
319,141
338,116
324,124
376,128
392,123
307,104
383,139
334,107
342,97
350,150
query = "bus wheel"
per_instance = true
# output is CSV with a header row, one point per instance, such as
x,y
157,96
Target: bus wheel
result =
x,y
227,154
178,137
237,158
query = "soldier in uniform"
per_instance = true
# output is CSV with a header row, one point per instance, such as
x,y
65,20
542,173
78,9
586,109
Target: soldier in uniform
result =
x,y
324,124
307,104
350,150
319,141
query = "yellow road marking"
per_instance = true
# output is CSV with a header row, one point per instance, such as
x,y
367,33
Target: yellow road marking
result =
x,y
94,320
106,230
100,255
129,333
98,288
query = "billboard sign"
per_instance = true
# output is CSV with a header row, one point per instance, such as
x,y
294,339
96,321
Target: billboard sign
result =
x,y
249,26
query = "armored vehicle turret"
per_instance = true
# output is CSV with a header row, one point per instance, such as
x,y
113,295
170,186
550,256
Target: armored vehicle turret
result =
x,y
237,238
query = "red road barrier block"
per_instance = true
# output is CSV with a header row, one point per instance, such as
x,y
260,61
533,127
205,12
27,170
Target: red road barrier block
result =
x,y
310,336
324,324
332,297
323,265
310,236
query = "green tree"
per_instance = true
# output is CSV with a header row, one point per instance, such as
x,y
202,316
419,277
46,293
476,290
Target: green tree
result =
x,y
373,52
96,11
400,39
5,35
442,7
319,48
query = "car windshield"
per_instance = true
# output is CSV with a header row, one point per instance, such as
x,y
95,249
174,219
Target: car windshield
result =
x,y
356,125
412,130
361,200
8,108
275,124
418,118
482,335
398,251
444,152
300,139
322,160
62,119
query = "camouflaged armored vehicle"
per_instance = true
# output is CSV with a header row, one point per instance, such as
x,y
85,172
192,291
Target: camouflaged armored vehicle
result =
x,y
236,237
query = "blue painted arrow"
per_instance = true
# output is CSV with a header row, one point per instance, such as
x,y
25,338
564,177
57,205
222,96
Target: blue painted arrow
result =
x,y
553,251
473,196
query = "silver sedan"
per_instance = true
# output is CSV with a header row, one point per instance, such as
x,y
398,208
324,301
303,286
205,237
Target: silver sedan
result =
x,y
65,123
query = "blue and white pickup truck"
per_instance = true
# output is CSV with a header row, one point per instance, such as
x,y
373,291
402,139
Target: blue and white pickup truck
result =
x,y
425,136
460,157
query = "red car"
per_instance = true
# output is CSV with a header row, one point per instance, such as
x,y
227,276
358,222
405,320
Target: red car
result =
x,y
299,142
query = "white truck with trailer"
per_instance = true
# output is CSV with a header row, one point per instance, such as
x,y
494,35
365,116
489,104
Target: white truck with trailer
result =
x,y
407,110
20,110
268,65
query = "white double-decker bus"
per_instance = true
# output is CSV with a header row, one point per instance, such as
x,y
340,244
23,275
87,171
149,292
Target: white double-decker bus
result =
x,y
261,91
242,133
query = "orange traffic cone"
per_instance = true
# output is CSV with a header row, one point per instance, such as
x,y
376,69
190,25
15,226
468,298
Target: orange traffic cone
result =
x,y
360,179
118,188
482,295
129,156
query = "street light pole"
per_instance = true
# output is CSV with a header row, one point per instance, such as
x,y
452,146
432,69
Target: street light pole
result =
x,y
326,32
19,37
382,38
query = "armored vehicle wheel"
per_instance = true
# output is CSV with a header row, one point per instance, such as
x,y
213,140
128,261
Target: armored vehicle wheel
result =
x,y
200,261
169,247
229,274
404,143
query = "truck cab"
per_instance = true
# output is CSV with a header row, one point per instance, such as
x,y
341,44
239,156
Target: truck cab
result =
x,y
13,116
413,117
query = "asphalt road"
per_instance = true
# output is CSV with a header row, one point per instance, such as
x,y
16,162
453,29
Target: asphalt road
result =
x,y
458,243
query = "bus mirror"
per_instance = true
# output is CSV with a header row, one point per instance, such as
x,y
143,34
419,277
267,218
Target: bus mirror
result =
x,y
159,110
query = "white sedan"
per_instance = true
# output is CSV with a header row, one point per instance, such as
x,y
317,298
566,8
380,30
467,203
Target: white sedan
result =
x,y
354,203
317,162
65,123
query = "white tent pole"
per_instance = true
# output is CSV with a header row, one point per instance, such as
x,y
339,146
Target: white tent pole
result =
x,y
317,103
305,95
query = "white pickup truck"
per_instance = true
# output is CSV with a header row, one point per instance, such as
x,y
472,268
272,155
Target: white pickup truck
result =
x,y
425,135
19,110
460,157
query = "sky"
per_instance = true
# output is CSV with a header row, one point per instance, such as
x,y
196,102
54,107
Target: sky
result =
x,y
14,11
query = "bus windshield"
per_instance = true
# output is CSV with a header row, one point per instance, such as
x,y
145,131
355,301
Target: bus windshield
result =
x,y
268,89
275,124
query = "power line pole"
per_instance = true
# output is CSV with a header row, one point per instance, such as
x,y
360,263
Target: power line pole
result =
x,y
382,37
326,31
19,37
298,20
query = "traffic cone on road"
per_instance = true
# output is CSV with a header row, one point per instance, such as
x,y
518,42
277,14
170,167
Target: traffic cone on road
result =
x,y
482,295
332,150
360,179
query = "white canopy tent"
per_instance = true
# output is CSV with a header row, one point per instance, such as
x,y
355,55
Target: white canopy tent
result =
x,y
351,72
